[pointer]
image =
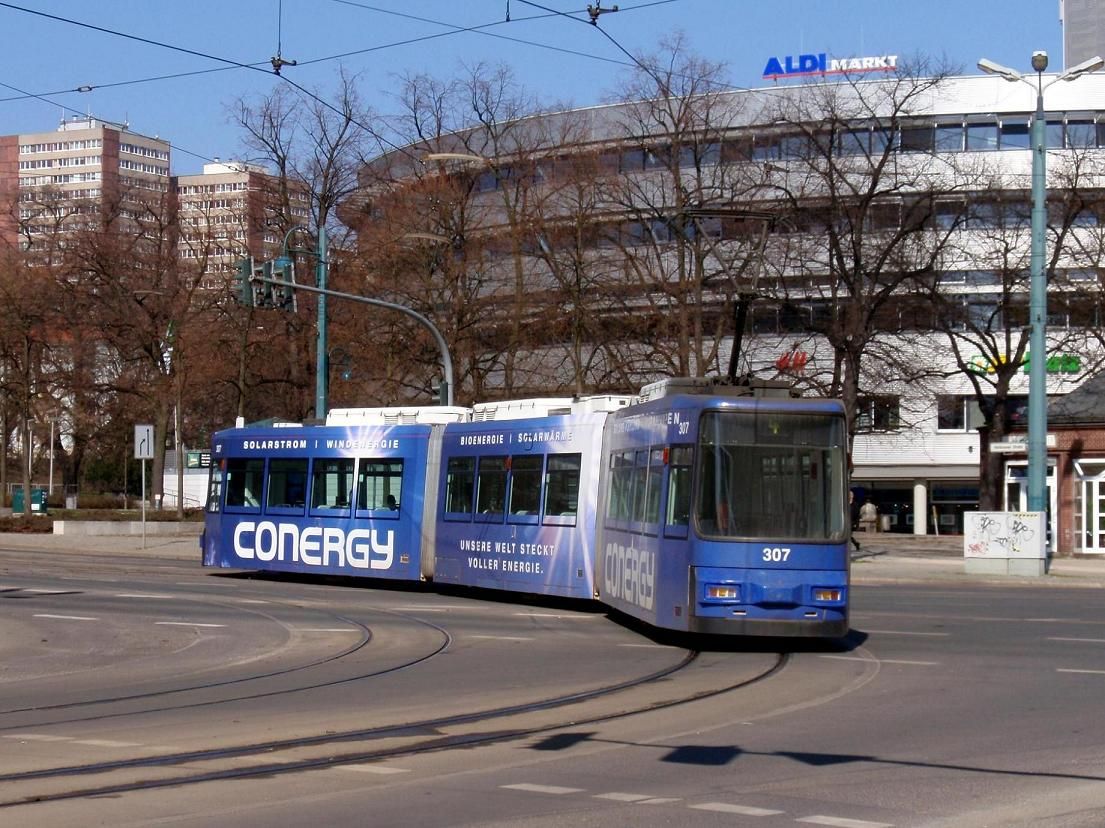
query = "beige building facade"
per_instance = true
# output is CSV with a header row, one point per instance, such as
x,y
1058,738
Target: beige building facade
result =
x,y
72,177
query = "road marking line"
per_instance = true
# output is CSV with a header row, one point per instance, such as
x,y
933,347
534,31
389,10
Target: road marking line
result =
x,y
1080,640
840,822
383,770
884,660
659,800
326,629
66,617
550,615
105,743
549,789
905,632
1092,672
726,808
503,637
623,797
250,601
143,595
39,591
38,737
186,624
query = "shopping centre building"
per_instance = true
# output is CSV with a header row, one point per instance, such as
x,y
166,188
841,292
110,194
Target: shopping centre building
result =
x,y
807,203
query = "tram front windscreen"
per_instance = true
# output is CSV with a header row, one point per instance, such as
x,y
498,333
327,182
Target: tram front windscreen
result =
x,y
771,475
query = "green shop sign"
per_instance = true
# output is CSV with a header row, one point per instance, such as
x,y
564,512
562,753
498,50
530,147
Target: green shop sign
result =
x,y
1058,364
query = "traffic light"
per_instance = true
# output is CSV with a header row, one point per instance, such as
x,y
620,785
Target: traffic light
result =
x,y
243,290
283,293
262,291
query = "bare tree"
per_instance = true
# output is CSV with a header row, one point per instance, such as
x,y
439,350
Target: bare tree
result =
x,y
857,197
689,252
26,320
314,146
125,272
981,296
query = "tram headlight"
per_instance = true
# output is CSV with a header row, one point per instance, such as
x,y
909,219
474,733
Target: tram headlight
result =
x,y
723,592
828,594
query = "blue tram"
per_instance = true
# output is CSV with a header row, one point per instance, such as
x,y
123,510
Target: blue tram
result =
x,y
724,511
697,506
348,498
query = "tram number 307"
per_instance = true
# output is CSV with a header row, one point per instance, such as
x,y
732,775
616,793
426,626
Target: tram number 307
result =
x,y
776,554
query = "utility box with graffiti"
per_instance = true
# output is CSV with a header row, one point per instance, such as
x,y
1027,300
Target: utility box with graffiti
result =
x,y
1005,543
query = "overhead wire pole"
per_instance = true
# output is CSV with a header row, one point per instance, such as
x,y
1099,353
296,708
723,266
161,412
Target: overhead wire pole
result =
x,y
446,390
322,368
322,270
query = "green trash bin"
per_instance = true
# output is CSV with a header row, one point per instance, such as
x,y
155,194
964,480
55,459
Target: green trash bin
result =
x,y
39,504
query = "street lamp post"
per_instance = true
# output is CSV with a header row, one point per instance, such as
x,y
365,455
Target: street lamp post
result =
x,y
1037,366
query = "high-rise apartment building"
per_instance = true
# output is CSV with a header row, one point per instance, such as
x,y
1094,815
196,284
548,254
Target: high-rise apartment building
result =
x,y
62,181
88,171
1083,30
230,210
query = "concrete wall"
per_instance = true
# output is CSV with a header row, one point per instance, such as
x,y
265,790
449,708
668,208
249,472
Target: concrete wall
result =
x,y
126,527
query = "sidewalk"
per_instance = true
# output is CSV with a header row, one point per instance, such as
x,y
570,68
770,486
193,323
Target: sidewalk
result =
x,y
176,547
890,557
883,558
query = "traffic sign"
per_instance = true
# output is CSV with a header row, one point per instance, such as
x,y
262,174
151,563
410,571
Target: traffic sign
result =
x,y
143,442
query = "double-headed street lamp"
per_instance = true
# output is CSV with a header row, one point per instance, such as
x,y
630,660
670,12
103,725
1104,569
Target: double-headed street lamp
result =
x,y
1037,366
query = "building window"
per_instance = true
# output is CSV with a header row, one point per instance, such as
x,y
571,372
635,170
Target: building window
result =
x,y
949,137
1016,134
878,413
1080,134
982,136
916,139
950,413
962,412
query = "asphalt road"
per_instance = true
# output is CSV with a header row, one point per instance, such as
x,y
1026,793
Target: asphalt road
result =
x,y
139,689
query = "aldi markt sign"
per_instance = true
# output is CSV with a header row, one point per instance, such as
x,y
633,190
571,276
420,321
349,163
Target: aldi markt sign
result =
x,y
796,66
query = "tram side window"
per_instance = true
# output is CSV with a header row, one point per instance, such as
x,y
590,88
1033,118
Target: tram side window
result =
x,y
619,501
243,482
459,482
679,485
215,488
640,484
380,484
331,484
287,483
654,480
562,486
491,485
525,484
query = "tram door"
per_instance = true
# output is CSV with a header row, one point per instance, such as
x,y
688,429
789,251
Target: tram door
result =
x,y
1016,492
1089,507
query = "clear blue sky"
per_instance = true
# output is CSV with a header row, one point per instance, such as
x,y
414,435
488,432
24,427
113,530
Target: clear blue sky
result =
x,y
46,57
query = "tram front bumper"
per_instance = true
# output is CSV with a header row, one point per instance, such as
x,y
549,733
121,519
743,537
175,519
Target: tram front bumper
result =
x,y
784,602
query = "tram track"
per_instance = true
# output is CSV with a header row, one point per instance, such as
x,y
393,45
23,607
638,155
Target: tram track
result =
x,y
674,685
444,640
